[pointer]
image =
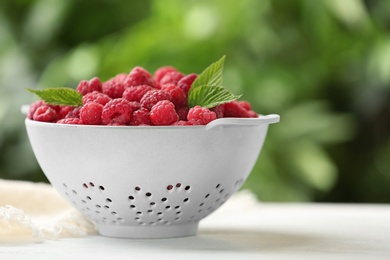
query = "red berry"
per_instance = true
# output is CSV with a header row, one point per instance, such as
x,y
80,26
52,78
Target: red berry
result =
x,y
182,112
172,77
234,109
93,84
136,93
113,87
218,110
117,111
135,105
245,104
141,117
62,111
75,113
96,97
160,72
139,76
91,113
45,113
33,107
181,123
200,116
71,121
163,113
185,83
152,97
179,98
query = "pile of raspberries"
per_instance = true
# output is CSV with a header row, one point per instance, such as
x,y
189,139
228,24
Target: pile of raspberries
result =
x,y
138,99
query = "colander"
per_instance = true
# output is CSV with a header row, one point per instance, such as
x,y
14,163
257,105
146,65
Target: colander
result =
x,y
148,181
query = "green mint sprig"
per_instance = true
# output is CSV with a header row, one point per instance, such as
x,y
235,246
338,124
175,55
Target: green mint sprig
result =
x,y
59,96
207,90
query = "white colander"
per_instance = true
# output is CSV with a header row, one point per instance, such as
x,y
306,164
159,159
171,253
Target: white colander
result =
x,y
148,181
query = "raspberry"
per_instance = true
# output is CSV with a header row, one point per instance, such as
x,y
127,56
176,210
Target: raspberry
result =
x,y
245,104
71,121
163,113
179,98
172,77
234,109
33,108
134,105
219,110
185,83
62,111
181,123
91,113
75,113
113,87
93,84
152,97
45,113
141,117
182,113
200,116
96,97
139,76
160,72
136,93
117,111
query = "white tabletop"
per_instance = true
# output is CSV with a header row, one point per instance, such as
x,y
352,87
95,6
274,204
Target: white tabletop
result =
x,y
266,231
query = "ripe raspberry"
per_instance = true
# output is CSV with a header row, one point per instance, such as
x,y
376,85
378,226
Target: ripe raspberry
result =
x,y
117,111
135,105
136,93
75,113
200,116
172,77
91,113
163,113
234,109
139,76
33,108
152,97
219,110
181,123
182,113
179,98
93,84
71,121
160,72
245,104
141,117
45,113
62,111
185,83
113,88
96,97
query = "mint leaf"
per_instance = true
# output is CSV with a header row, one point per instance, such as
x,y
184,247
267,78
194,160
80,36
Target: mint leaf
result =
x,y
211,76
210,96
59,96
207,91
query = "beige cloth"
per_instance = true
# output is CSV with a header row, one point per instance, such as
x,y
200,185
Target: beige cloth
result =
x,y
35,212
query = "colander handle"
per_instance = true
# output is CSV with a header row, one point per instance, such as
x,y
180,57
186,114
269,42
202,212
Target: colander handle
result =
x,y
267,119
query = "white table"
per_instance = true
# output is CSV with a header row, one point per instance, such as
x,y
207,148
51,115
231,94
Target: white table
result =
x,y
266,231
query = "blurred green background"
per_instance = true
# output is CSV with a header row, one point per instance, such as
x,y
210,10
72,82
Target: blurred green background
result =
x,y
323,65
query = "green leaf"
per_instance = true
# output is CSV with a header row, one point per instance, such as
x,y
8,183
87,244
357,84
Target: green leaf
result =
x,y
211,76
59,96
210,96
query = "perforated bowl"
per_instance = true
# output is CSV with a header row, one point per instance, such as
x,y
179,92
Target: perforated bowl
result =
x,y
148,181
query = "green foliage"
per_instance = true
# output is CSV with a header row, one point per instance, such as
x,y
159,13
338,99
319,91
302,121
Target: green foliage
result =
x,y
322,65
59,96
